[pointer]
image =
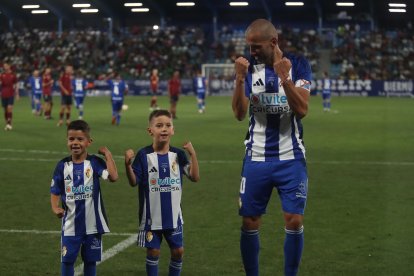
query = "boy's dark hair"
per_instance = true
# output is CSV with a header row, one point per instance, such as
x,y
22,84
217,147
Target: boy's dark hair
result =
x,y
79,125
158,113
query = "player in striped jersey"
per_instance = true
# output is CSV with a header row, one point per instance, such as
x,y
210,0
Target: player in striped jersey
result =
x,y
274,88
158,171
119,89
200,86
76,184
79,85
35,82
326,92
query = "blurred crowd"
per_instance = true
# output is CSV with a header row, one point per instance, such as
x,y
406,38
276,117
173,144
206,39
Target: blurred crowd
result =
x,y
135,51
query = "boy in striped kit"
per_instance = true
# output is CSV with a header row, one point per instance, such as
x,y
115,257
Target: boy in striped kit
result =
x,y
158,171
76,184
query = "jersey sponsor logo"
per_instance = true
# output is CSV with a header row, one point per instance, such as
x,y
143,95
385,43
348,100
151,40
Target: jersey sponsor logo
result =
x,y
270,103
79,189
165,181
164,189
78,197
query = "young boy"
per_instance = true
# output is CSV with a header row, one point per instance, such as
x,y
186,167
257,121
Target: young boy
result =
x,y
75,182
119,89
157,170
79,85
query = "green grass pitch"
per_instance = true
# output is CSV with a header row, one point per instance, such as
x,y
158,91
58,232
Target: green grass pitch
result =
x,y
360,207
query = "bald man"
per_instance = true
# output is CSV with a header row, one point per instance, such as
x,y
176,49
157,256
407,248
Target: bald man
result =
x,y
274,87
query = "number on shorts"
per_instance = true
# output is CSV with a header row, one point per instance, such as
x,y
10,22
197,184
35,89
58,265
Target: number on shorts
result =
x,y
242,185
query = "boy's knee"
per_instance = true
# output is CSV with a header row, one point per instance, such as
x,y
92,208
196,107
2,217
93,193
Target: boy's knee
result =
x,y
153,252
251,223
177,253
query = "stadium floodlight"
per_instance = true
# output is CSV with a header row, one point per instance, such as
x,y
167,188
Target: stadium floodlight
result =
x,y
40,11
294,3
397,5
137,4
140,10
185,4
31,6
155,27
397,10
81,5
89,10
239,4
345,4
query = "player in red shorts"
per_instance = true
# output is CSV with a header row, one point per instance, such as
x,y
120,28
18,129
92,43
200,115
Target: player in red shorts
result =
x,y
174,90
9,91
154,80
65,84
47,84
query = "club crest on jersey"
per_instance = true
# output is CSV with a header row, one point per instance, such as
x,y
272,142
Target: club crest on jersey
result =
x,y
149,236
174,167
88,172
64,251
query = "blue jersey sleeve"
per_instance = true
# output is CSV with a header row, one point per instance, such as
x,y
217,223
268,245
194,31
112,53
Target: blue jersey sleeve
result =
x,y
138,168
57,187
183,162
301,69
99,166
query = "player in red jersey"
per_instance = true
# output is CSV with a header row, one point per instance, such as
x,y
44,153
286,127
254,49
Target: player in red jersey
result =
x,y
65,84
174,90
154,80
47,84
9,91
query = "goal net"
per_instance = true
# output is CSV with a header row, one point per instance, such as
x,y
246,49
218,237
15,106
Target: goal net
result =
x,y
220,78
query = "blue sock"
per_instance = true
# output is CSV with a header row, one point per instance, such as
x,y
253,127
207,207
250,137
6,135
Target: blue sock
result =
x,y
118,118
200,105
152,266
329,105
175,267
249,247
67,269
293,251
89,269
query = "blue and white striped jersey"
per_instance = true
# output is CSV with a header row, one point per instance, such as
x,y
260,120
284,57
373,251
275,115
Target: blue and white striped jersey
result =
x,y
274,133
79,85
79,188
200,85
326,86
159,178
36,85
118,89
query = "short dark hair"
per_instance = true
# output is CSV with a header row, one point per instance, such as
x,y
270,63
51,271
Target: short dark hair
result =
x,y
158,113
79,125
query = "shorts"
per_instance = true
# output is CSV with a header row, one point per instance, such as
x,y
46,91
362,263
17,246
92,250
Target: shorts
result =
x,y
154,90
90,246
7,101
37,97
117,105
174,98
66,100
79,101
47,98
153,238
326,96
289,177
201,96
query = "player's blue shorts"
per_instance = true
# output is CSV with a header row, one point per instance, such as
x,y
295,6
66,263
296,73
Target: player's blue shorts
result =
x,y
66,100
90,246
79,101
37,97
326,95
289,177
7,101
153,238
201,96
117,105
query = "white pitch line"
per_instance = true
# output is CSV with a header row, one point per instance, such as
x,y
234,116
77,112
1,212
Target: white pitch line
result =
x,y
110,252
42,232
329,162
